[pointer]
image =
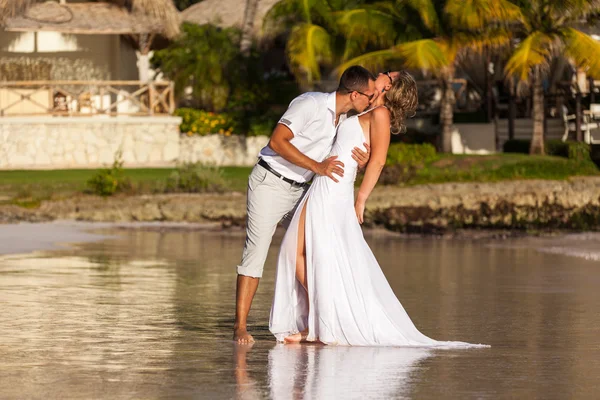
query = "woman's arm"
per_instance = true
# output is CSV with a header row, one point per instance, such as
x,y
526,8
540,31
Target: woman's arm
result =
x,y
380,141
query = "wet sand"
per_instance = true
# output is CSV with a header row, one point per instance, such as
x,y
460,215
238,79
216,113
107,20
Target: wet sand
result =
x,y
147,313
28,237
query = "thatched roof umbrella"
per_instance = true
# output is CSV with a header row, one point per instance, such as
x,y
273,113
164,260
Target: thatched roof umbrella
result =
x,y
140,19
230,13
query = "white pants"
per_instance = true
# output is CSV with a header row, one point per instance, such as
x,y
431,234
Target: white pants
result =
x,y
270,199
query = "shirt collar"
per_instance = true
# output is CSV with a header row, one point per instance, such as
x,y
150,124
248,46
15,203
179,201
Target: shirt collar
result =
x,y
331,102
331,99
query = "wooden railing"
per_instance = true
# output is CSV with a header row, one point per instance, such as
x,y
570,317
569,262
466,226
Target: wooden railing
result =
x,y
86,98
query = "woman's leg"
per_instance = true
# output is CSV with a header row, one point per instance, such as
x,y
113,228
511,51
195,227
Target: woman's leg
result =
x,y
301,250
301,267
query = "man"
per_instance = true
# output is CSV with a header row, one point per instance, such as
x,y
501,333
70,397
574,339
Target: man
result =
x,y
296,151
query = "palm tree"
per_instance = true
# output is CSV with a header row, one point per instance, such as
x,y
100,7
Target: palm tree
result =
x,y
545,30
313,35
449,31
162,10
248,26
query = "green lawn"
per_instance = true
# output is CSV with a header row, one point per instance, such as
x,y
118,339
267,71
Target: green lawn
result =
x,y
27,188
39,185
499,167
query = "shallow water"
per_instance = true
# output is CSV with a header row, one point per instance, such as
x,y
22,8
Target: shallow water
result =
x,y
148,314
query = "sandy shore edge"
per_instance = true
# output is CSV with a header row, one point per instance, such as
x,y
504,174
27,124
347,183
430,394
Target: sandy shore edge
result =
x,y
27,237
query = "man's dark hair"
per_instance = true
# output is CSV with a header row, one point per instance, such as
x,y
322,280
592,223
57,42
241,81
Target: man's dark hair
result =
x,y
355,78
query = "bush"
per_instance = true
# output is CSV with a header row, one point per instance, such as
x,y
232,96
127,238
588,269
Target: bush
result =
x,y
200,122
556,147
263,125
109,181
580,152
576,151
520,146
403,161
195,178
207,59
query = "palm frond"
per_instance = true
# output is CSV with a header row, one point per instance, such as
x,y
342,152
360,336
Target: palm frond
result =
x,y
426,54
427,12
283,15
573,10
583,50
308,47
478,14
373,61
535,51
277,18
164,10
368,26
352,48
493,39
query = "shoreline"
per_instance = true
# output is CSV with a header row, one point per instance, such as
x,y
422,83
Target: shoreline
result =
x,y
515,208
30,238
26,238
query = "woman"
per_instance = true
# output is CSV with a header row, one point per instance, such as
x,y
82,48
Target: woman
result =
x,y
329,286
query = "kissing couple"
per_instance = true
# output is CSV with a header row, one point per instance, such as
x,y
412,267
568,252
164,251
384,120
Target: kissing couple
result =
x,y
329,287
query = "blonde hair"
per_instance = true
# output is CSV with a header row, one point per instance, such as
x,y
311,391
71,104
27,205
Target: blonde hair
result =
x,y
401,100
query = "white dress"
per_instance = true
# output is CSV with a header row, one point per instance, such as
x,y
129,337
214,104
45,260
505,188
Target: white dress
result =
x,y
350,302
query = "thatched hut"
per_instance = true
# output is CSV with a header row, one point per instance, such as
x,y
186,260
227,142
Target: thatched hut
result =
x,y
101,37
77,52
226,13
75,88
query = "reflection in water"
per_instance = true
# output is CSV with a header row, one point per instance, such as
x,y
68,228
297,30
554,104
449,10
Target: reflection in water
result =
x,y
149,315
332,372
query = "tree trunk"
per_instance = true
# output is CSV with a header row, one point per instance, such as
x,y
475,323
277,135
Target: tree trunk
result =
x,y
489,82
447,115
143,66
248,26
537,140
512,113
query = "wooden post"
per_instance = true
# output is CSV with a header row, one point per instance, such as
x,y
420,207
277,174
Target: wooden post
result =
x,y
171,97
101,111
151,94
578,116
51,99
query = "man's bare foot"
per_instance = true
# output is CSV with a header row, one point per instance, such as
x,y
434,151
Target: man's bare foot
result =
x,y
241,335
297,337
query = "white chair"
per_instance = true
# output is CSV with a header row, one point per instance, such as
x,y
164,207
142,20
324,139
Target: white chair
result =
x,y
595,116
586,125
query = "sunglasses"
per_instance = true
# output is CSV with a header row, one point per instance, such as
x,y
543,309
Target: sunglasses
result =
x,y
370,97
389,76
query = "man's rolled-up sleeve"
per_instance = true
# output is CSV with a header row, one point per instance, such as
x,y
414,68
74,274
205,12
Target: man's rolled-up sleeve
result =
x,y
299,113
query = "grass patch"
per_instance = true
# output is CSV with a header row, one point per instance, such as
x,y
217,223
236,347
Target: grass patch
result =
x,y
35,186
29,188
500,167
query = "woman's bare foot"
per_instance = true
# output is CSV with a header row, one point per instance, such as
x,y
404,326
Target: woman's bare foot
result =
x,y
297,337
241,335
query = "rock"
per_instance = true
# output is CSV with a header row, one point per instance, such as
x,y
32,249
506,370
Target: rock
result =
x,y
505,206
